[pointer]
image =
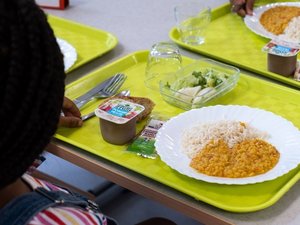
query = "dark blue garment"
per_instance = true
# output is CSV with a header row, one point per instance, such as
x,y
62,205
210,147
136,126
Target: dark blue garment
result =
x,y
22,209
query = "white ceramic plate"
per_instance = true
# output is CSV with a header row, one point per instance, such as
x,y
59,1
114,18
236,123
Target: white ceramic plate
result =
x,y
283,135
253,23
69,52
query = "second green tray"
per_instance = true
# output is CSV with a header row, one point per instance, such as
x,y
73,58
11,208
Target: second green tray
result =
x,y
229,40
88,42
249,91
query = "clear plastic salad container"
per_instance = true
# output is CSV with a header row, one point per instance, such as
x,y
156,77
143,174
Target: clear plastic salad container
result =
x,y
196,84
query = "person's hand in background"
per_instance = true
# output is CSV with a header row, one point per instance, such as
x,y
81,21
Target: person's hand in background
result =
x,y
71,115
242,7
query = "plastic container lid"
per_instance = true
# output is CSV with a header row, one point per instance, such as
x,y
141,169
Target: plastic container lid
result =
x,y
118,111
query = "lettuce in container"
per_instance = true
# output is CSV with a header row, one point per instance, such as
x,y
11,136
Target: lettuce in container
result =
x,y
198,83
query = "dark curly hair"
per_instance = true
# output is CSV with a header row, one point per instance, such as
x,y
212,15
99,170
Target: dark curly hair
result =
x,y
31,86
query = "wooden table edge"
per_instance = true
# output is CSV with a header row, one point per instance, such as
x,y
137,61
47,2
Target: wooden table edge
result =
x,y
136,183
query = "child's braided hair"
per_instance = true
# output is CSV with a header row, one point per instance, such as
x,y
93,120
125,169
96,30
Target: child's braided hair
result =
x,y
31,86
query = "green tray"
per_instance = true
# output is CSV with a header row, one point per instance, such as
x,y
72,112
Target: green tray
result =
x,y
88,42
249,91
229,40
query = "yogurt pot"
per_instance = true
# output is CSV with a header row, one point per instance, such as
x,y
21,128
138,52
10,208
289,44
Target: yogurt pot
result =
x,y
282,57
283,65
118,120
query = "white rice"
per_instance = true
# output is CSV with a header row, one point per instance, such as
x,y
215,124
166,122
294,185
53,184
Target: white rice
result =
x,y
232,132
292,31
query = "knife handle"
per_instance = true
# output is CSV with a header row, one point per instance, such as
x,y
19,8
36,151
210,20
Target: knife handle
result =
x,y
81,103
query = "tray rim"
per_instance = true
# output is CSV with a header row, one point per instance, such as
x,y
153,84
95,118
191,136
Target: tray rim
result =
x,y
283,188
113,39
216,13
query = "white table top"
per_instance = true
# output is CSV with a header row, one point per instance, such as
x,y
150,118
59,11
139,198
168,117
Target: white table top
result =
x,y
138,25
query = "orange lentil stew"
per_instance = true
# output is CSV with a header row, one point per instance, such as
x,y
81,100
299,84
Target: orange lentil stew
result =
x,y
276,19
245,159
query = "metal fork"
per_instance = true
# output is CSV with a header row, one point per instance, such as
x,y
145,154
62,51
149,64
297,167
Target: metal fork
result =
x,y
112,89
107,91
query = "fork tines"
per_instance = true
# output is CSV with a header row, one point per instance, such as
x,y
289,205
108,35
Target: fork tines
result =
x,y
115,78
115,85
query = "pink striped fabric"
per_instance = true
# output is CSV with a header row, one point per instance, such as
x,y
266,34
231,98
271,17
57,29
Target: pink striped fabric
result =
x,y
62,215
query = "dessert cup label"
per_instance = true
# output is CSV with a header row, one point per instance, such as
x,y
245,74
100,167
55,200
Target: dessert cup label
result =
x,y
281,48
118,111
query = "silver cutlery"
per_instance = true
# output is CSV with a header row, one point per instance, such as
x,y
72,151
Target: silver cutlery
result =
x,y
91,114
110,90
83,99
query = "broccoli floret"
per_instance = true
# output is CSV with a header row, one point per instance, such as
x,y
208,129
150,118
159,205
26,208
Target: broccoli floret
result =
x,y
197,74
189,81
218,81
167,85
204,79
211,82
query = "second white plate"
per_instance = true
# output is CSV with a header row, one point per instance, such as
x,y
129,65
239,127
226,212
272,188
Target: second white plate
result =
x,y
253,23
69,52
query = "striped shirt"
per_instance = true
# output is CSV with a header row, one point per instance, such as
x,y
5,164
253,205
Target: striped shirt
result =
x,y
62,215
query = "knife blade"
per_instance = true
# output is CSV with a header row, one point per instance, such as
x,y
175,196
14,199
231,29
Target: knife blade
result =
x,y
79,101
